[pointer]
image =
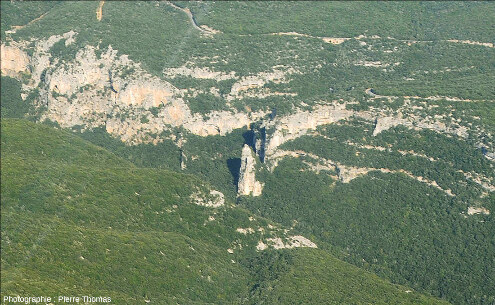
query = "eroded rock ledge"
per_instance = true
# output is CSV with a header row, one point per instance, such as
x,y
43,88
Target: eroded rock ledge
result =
x,y
100,87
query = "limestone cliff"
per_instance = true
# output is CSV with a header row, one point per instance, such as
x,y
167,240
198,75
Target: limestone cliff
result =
x,y
295,125
247,177
14,60
98,87
385,123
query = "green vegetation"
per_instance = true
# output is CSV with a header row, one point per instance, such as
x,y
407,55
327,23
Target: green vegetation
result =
x,y
293,276
124,26
389,224
111,214
79,220
85,202
12,104
213,158
442,171
163,155
421,21
205,103
85,213
326,71
216,159
20,13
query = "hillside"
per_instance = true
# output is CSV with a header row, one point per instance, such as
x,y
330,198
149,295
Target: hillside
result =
x,y
77,219
367,129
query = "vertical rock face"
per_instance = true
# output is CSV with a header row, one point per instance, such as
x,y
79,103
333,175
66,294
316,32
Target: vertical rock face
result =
x,y
298,124
14,60
260,144
247,177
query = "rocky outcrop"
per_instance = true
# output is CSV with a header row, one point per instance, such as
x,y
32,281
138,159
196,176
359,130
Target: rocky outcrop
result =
x,y
385,123
245,231
298,124
436,123
199,73
13,60
148,94
87,70
348,173
247,184
489,155
476,43
334,40
183,160
101,88
477,210
296,241
218,122
215,199
259,80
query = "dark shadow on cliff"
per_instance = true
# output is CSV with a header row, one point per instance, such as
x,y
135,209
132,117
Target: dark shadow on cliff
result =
x,y
252,135
250,139
234,165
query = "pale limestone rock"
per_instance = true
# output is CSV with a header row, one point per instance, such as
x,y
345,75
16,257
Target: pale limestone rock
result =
x,y
297,124
245,231
69,37
84,71
259,80
483,181
375,64
199,73
417,123
216,199
148,94
276,243
476,210
84,82
297,241
347,173
385,123
218,123
334,40
477,43
87,80
209,30
183,160
261,246
247,177
241,88
13,60
292,34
